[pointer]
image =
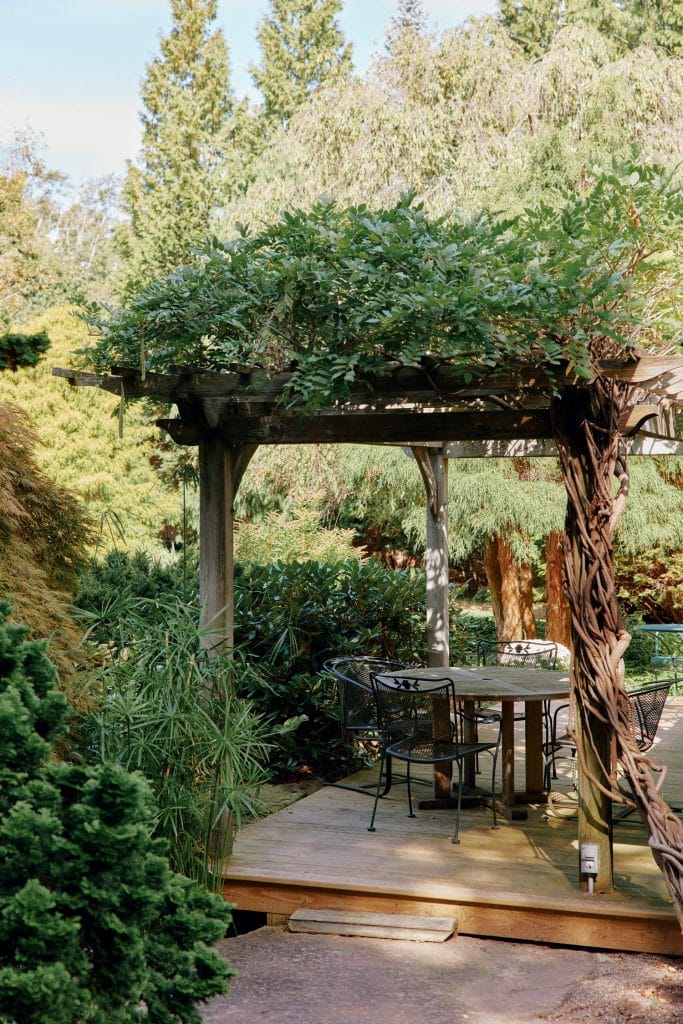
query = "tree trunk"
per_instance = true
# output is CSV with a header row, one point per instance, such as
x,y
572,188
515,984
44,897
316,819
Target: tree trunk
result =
x,y
510,597
585,425
526,591
503,581
492,567
558,622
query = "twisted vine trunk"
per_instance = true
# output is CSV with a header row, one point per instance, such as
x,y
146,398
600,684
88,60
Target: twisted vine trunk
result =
x,y
586,429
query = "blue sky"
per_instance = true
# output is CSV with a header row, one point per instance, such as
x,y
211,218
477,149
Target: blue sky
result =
x,y
70,70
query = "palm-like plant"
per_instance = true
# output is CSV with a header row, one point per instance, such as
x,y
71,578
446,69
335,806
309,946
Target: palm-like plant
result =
x,y
168,708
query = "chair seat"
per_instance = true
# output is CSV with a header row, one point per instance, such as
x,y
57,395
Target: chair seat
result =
x,y
428,751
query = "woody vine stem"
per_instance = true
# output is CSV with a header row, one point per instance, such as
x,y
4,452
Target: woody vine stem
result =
x,y
586,427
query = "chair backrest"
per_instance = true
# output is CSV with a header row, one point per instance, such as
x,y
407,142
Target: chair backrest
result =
x,y
647,705
354,687
521,653
415,708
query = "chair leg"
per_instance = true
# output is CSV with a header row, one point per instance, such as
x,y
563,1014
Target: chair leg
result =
x,y
387,776
456,831
494,758
411,813
371,826
549,734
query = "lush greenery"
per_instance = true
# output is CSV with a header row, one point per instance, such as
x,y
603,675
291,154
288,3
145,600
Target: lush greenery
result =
x,y
345,293
44,533
293,536
55,244
170,710
21,349
171,196
466,121
93,924
626,23
302,48
80,448
289,619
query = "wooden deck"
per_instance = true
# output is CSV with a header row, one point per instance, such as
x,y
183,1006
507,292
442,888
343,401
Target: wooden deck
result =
x,y
517,882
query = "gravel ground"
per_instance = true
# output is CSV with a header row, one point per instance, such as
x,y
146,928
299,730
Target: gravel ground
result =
x,y
327,979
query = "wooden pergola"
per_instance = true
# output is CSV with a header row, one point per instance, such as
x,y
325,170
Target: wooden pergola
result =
x,y
430,410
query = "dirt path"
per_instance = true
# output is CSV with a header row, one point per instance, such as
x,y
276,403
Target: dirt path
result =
x,y
321,979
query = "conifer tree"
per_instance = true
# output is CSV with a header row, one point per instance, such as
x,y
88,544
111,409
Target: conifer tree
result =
x,y
172,195
658,22
532,23
302,47
93,923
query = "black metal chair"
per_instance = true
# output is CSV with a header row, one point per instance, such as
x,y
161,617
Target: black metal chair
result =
x,y
356,702
646,706
419,721
518,654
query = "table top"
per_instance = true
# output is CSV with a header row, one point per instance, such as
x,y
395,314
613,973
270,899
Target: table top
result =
x,y
497,682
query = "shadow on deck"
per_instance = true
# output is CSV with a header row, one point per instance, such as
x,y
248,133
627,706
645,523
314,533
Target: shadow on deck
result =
x,y
517,882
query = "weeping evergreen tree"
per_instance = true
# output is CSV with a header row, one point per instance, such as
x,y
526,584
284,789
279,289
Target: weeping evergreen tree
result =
x,y
172,196
627,23
466,121
302,48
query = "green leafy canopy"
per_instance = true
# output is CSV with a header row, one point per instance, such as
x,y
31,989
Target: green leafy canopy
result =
x,y
337,293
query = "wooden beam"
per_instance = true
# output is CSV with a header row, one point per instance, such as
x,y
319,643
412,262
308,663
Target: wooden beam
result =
x,y
429,382
543,448
406,427
421,456
241,459
659,374
216,586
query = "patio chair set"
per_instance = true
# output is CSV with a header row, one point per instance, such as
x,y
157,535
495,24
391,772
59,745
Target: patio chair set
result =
x,y
400,713
411,718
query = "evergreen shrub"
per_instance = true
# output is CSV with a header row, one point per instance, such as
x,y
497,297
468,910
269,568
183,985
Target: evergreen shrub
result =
x,y
290,617
93,924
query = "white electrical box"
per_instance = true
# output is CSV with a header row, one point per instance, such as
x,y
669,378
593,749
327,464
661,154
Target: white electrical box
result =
x,y
589,859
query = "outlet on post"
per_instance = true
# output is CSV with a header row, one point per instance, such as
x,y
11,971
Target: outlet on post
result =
x,y
589,863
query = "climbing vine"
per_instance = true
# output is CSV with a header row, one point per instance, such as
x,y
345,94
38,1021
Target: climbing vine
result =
x,y
337,294
586,428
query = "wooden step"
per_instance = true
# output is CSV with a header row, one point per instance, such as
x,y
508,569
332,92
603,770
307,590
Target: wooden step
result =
x,y
409,927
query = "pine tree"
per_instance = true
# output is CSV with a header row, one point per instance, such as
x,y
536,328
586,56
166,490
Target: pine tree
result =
x,y
532,24
658,22
172,196
302,48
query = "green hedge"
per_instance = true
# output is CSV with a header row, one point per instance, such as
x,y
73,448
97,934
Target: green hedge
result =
x,y
290,617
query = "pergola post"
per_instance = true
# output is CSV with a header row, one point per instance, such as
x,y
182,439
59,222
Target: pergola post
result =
x,y
436,563
216,562
434,469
